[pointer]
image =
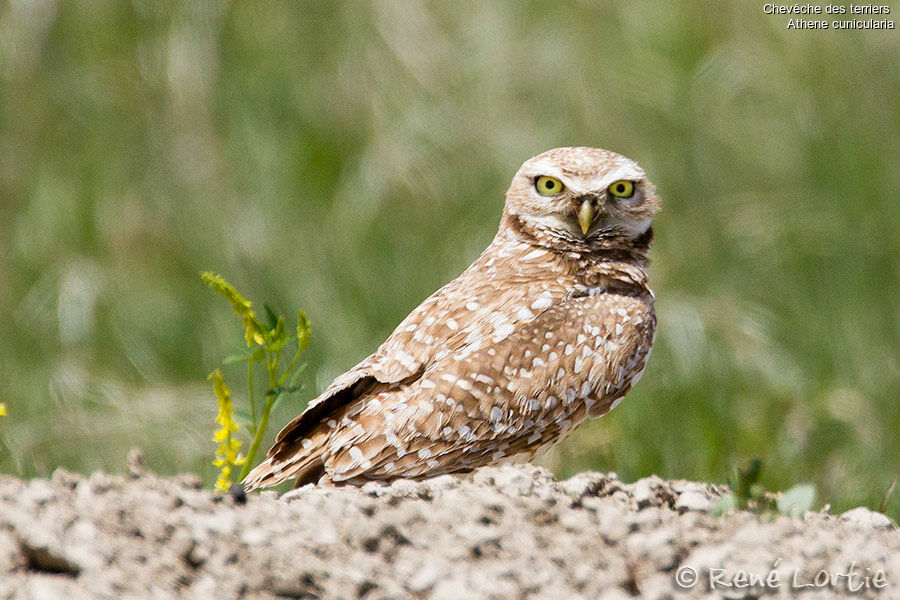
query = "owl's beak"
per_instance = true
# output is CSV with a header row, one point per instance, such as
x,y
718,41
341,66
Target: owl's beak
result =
x,y
586,215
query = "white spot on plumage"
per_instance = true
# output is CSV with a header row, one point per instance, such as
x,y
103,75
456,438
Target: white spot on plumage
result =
x,y
544,300
358,458
534,254
637,377
502,331
405,358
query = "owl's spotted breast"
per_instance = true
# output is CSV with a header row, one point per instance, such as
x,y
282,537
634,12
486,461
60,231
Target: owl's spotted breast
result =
x,y
551,324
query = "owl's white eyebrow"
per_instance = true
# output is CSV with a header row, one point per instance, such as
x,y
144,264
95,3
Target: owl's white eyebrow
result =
x,y
542,170
604,180
629,172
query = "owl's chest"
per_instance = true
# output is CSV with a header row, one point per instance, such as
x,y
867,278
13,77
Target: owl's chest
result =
x,y
605,340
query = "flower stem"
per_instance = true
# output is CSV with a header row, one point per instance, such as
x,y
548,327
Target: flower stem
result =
x,y
271,399
257,438
253,428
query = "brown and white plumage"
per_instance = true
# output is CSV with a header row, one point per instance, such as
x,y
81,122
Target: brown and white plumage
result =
x,y
553,323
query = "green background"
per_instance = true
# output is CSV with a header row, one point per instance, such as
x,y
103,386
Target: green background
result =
x,y
348,158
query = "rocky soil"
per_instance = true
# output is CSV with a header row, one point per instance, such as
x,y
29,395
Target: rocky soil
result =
x,y
510,532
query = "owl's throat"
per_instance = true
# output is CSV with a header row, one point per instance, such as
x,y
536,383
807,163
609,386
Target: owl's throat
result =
x,y
613,245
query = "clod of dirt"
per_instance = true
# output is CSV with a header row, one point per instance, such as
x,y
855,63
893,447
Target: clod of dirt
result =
x,y
509,532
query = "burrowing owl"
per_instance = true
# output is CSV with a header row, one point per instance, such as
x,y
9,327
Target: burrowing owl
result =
x,y
551,324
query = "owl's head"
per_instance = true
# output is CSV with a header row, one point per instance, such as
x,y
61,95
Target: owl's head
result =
x,y
581,199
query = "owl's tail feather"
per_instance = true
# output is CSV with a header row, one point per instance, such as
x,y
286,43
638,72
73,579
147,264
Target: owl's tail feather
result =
x,y
289,458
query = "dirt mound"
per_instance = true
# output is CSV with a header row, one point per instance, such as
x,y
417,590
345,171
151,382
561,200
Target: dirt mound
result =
x,y
510,532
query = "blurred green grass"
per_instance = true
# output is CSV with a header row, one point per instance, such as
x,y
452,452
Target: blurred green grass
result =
x,y
349,158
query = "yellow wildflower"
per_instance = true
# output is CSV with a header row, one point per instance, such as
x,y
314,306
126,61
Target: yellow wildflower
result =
x,y
227,454
2,409
253,330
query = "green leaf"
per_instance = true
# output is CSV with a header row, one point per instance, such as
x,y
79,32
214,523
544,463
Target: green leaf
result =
x,y
725,503
284,393
303,332
747,476
243,416
277,337
236,358
797,500
271,317
296,375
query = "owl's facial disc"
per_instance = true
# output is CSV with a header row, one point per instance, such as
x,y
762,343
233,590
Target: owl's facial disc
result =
x,y
582,196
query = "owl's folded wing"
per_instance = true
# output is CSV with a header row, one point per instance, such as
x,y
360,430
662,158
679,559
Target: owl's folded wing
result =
x,y
515,394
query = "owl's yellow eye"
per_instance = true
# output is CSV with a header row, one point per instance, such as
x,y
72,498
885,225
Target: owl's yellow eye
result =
x,y
548,186
622,189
